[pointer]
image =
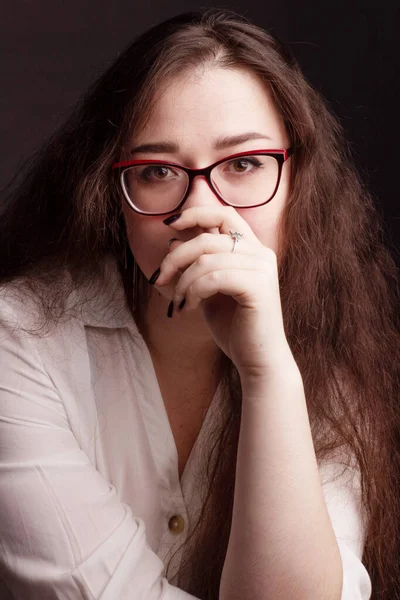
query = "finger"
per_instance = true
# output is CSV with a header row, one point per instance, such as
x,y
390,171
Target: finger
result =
x,y
213,263
225,218
183,254
237,283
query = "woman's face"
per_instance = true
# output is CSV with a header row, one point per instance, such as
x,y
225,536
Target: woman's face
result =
x,y
192,112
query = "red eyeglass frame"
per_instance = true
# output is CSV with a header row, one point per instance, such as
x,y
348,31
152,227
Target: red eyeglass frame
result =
x,y
281,156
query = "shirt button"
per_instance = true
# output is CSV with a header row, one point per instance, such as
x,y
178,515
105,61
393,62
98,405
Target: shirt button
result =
x,y
176,524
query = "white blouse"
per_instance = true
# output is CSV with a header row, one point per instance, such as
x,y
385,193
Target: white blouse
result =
x,y
91,505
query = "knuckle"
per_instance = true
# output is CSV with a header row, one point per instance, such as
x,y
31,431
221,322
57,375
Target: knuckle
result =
x,y
214,275
190,292
203,260
204,239
168,260
179,290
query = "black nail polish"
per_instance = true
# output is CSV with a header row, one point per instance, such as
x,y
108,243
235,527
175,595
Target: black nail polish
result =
x,y
171,219
170,309
182,304
154,277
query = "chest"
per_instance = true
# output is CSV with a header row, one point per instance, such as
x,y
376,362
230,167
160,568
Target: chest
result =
x,y
186,405
186,421
187,395
185,434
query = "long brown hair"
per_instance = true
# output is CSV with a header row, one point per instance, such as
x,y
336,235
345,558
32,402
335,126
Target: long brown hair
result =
x,y
338,280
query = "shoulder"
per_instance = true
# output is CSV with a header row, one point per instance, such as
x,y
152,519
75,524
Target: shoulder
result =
x,y
38,309
26,305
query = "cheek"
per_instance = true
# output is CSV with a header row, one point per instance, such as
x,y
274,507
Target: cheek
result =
x,y
264,226
147,240
264,221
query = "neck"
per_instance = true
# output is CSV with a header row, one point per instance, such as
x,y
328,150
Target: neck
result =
x,y
181,344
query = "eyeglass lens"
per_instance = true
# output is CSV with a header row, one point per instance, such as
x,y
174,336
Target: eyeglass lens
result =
x,y
243,181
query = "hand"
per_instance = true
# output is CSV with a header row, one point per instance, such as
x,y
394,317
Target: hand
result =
x,y
238,291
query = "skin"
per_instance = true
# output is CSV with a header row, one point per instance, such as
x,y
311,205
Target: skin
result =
x,y
233,303
193,112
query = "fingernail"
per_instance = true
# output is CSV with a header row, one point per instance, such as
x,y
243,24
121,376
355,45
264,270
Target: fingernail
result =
x,y
172,219
182,304
170,309
171,240
154,277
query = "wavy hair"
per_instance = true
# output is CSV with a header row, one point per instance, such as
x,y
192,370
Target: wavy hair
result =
x,y
338,280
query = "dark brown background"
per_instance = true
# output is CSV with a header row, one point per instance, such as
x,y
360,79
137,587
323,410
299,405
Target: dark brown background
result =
x,y
52,50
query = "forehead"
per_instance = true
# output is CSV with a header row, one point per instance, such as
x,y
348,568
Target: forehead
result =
x,y
210,102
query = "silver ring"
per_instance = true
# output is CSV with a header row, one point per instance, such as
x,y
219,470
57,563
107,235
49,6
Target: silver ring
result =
x,y
235,235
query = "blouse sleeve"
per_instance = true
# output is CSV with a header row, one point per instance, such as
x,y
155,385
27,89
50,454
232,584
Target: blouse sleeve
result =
x,y
64,534
341,489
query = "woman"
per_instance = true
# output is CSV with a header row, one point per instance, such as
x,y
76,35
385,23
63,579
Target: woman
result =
x,y
199,339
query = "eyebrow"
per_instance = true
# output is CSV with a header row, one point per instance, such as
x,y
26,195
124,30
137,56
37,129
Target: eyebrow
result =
x,y
219,144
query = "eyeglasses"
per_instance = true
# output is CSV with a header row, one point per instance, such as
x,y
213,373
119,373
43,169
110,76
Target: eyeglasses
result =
x,y
243,180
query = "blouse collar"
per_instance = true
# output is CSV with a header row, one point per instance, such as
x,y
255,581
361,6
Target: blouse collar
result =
x,y
103,303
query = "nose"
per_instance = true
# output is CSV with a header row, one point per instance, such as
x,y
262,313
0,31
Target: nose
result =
x,y
200,194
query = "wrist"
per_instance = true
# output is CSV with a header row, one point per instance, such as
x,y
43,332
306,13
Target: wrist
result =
x,y
254,386
281,365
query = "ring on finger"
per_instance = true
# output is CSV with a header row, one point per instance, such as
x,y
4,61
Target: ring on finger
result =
x,y
235,235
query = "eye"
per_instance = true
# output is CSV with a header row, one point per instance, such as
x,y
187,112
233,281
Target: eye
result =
x,y
242,164
155,172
